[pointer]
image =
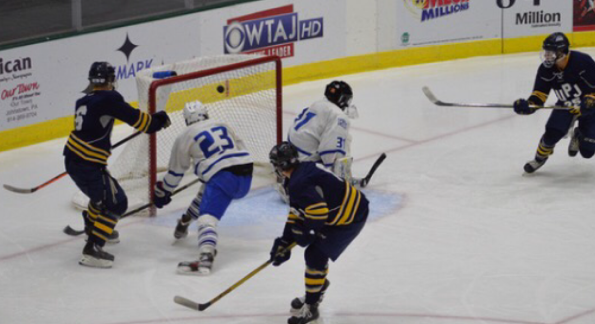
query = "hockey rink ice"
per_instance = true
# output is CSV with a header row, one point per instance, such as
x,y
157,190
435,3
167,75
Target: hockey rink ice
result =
x,y
456,233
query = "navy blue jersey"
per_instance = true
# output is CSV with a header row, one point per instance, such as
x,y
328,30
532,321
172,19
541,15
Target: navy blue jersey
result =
x,y
319,198
94,119
570,85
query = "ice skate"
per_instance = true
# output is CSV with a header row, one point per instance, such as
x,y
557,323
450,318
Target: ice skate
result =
x,y
181,230
573,146
534,165
201,267
298,302
308,313
94,256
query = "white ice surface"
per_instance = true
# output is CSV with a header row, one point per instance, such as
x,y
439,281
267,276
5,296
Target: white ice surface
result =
x,y
456,235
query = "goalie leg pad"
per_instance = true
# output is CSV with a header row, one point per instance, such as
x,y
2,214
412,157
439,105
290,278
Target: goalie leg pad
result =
x,y
342,168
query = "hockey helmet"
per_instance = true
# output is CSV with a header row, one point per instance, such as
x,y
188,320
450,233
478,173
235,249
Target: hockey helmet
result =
x,y
339,93
102,74
555,47
284,156
194,111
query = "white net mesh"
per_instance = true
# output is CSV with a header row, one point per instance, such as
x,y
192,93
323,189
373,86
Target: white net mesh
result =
x,y
244,97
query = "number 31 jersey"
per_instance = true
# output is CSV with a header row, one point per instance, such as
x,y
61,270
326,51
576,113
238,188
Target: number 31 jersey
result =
x,y
208,146
321,133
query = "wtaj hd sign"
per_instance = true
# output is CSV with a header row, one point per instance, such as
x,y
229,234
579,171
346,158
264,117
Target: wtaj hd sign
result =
x,y
270,32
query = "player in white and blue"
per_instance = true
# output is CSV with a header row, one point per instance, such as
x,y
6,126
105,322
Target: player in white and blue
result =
x,y
220,159
321,133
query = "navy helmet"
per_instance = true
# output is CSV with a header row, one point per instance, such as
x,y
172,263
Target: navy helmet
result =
x,y
102,73
555,47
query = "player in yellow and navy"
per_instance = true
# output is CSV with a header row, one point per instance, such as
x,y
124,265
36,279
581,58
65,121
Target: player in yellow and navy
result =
x,y
326,214
571,75
86,153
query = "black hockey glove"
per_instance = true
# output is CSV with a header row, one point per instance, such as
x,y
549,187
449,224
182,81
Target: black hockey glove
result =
x,y
163,118
162,196
279,246
303,236
521,107
588,105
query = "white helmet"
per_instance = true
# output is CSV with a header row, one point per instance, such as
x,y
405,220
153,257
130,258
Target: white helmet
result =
x,y
194,111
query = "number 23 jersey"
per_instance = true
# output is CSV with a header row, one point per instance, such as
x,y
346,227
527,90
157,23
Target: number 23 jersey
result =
x,y
211,146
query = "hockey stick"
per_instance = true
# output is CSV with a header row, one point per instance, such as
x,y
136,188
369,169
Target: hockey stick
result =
x,y
72,232
201,307
61,175
375,166
437,102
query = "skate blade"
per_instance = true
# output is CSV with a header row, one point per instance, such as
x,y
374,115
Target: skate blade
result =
x,y
95,263
190,272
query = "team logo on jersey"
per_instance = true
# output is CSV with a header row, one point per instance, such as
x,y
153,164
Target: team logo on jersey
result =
x,y
431,9
129,70
269,32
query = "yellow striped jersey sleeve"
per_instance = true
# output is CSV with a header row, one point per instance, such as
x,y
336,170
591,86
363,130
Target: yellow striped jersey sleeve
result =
x,y
317,211
292,218
539,95
143,122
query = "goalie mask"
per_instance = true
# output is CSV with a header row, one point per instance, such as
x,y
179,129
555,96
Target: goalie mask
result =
x,y
194,111
284,156
340,93
102,74
555,48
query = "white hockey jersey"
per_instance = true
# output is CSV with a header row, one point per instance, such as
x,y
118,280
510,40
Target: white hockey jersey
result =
x,y
321,133
208,146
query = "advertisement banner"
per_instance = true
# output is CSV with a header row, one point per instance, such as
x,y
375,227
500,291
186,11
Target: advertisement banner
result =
x,y
432,22
300,32
535,17
584,15
41,82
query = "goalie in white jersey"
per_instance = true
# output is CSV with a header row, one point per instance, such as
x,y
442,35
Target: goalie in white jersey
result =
x,y
321,132
220,159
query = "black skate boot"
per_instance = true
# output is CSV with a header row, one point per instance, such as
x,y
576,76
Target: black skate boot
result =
x,y
573,146
202,267
182,227
306,314
298,302
534,165
94,256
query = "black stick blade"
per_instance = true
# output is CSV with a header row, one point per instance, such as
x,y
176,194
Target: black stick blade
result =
x,y
71,231
202,307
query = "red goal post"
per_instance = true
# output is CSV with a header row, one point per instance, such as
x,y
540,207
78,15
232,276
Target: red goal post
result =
x,y
244,91
155,85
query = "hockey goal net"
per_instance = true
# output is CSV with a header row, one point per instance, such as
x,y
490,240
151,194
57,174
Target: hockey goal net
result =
x,y
241,90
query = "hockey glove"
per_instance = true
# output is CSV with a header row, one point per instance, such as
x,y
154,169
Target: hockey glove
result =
x,y
303,236
588,105
521,107
279,246
163,119
162,196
